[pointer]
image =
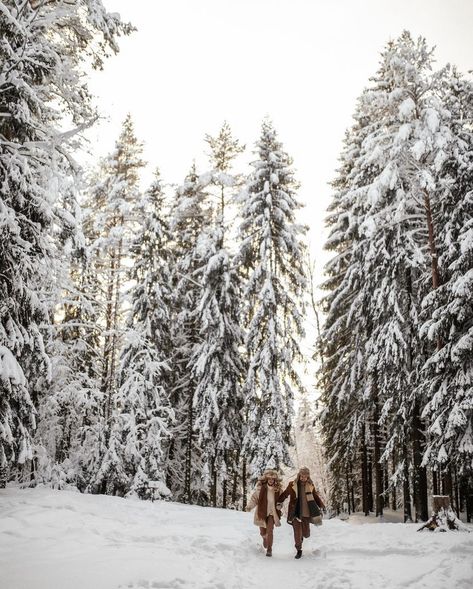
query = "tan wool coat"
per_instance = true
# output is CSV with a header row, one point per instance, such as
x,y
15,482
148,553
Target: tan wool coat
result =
x,y
259,499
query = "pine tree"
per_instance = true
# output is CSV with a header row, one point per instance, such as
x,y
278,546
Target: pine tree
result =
x,y
190,217
42,49
448,374
111,224
388,235
216,362
142,401
272,256
69,408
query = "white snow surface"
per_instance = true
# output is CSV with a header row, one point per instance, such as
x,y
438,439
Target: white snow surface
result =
x,y
65,540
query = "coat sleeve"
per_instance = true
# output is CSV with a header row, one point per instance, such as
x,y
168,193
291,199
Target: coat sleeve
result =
x,y
285,494
253,502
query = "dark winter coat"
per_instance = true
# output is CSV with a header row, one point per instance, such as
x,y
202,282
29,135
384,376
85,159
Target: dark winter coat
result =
x,y
314,502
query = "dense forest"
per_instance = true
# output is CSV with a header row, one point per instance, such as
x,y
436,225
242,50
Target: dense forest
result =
x,y
150,337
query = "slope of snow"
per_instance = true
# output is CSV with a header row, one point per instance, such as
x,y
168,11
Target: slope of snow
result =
x,y
65,540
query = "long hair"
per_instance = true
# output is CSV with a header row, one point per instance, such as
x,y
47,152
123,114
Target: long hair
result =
x,y
263,479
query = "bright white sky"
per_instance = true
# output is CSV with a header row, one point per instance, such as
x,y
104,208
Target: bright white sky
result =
x,y
194,63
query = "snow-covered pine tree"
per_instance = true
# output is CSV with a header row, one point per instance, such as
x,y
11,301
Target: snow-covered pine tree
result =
x,y
272,253
190,218
448,376
43,46
69,407
343,416
142,407
397,173
216,362
111,222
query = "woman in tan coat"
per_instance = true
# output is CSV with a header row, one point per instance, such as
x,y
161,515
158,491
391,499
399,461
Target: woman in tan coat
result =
x,y
304,506
265,497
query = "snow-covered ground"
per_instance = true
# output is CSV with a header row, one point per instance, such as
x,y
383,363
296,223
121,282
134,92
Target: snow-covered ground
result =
x,y
64,540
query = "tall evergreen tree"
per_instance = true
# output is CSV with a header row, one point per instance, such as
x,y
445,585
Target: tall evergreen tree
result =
x,y
391,194
143,409
216,362
42,49
190,218
448,376
271,253
112,219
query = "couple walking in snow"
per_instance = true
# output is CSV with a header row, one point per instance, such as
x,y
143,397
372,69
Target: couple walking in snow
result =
x,y
304,507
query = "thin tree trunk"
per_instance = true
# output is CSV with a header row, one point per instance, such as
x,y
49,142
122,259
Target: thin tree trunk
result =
x,y
364,473
224,486
435,484
214,484
370,484
235,478
420,473
394,491
457,493
406,486
188,465
244,483
347,489
377,465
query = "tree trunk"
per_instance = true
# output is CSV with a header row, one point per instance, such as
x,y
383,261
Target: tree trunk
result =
x,y
469,499
244,483
377,464
370,484
235,478
214,484
420,473
435,484
188,465
364,473
432,244
347,482
405,486
456,489
394,491
440,502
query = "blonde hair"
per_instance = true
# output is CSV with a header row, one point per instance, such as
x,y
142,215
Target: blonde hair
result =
x,y
270,473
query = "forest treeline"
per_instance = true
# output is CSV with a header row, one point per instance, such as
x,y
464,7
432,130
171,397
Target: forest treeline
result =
x,y
150,338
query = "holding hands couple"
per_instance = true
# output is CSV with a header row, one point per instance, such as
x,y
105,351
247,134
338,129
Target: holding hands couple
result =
x,y
304,507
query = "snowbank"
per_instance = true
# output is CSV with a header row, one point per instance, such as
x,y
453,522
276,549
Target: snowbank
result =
x,y
64,540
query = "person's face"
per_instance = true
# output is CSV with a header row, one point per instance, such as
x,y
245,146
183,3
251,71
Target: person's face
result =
x,y
271,481
303,478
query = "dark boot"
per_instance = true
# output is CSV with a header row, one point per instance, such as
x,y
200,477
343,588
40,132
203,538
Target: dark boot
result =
x,y
298,554
269,552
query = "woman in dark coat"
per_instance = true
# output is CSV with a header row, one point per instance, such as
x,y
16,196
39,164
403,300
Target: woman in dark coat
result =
x,y
304,506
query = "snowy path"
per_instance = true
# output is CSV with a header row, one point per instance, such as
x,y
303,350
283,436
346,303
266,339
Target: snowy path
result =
x,y
64,540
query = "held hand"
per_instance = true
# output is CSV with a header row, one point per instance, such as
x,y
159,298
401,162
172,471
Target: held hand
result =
x,y
279,506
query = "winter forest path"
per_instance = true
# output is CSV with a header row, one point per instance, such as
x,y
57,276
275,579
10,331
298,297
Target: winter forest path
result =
x,y
64,540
